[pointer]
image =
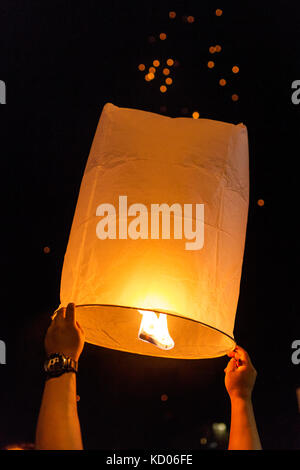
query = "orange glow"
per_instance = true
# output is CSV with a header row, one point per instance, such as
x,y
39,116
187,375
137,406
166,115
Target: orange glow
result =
x,y
195,115
235,69
210,64
141,67
151,76
261,202
164,397
152,69
163,88
219,12
154,329
212,49
222,82
166,71
156,63
172,14
235,97
218,48
169,81
170,62
190,19
147,78
162,36
46,249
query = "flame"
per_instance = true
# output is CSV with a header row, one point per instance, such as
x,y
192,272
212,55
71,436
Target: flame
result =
x,y
154,329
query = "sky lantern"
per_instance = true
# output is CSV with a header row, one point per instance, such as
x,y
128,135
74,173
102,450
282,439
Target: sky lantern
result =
x,y
154,256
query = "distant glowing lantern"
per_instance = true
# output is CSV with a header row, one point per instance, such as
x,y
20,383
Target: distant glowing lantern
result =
x,y
154,257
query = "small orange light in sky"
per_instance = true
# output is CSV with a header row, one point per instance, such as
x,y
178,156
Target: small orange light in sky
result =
x,y
163,36
235,97
141,67
219,12
152,69
210,64
163,88
222,82
156,63
166,71
195,115
190,19
212,49
261,202
170,62
169,81
172,14
235,69
218,48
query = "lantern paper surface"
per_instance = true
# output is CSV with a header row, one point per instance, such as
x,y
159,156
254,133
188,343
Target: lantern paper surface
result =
x,y
143,158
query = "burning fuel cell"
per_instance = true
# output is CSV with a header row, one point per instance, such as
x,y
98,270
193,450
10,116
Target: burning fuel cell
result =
x,y
154,329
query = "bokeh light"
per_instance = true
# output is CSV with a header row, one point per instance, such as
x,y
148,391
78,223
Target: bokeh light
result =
x,y
166,71
219,12
172,14
156,63
142,67
222,82
212,49
261,202
235,69
195,115
210,64
46,249
235,97
170,62
169,81
190,19
163,88
162,36
164,397
218,48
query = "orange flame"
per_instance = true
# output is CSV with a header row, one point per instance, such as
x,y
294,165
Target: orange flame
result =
x,y
154,329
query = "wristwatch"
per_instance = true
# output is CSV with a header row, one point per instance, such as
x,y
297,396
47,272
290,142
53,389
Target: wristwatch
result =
x,y
57,364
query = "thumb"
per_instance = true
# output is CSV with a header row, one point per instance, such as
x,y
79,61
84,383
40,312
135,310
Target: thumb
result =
x,y
231,366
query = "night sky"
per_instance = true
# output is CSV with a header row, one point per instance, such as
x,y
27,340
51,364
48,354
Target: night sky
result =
x,y
61,62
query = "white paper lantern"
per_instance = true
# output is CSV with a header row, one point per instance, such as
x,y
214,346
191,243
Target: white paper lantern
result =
x,y
125,256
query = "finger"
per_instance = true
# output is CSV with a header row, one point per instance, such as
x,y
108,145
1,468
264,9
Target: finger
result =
x,y
60,314
80,327
231,354
231,366
70,313
242,355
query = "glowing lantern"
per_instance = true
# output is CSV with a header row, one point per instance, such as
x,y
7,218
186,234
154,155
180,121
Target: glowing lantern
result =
x,y
154,257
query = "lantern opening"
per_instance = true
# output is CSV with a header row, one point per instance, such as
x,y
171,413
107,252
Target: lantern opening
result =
x,y
154,329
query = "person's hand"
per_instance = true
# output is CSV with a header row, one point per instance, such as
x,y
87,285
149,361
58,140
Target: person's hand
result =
x,y
240,374
65,335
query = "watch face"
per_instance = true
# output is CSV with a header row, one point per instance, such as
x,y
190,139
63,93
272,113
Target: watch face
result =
x,y
55,364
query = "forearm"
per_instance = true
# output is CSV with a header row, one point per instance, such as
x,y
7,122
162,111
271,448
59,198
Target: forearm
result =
x,y
243,430
58,425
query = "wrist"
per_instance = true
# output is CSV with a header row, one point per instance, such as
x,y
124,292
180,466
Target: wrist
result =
x,y
57,364
240,399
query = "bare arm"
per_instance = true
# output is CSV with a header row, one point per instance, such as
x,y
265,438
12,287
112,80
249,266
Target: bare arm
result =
x,y
58,425
239,381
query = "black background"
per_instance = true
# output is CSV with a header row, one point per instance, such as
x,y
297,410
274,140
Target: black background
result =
x,y
61,62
